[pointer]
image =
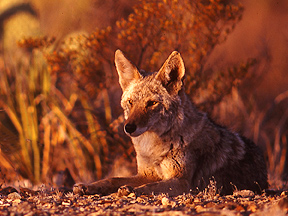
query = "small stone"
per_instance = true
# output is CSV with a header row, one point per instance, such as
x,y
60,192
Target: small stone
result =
x,y
165,201
66,203
199,208
168,202
132,195
283,203
240,208
14,196
252,208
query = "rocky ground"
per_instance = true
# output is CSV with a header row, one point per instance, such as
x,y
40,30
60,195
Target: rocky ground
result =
x,y
51,201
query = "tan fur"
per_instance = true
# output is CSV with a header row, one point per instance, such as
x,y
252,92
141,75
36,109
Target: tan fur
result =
x,y
178,147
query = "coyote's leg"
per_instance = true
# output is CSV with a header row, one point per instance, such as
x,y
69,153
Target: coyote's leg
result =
x,y
108,186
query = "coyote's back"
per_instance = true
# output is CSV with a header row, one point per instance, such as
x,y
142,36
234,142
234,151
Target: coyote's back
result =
x,y
178,147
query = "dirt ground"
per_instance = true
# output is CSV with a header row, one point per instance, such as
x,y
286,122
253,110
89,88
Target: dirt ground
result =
x,y
61,201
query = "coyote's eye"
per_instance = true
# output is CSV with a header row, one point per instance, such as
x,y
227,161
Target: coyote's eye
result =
x,y
130,101
151,103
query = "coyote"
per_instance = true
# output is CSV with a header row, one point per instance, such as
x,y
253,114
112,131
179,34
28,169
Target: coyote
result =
x,y
178,148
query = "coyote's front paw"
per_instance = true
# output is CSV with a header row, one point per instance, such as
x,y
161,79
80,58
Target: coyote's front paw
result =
x,y
80,189
125,191
100,187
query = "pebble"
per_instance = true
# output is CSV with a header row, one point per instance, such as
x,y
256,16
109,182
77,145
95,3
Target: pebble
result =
x,y
14,196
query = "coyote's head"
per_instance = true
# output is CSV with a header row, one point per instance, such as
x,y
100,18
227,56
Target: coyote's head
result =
x,y
151,102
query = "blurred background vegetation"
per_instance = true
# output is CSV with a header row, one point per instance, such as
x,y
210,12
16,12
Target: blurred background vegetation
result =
x,y
59,92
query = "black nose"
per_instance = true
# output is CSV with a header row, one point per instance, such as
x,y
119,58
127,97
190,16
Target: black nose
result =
x,y
130,128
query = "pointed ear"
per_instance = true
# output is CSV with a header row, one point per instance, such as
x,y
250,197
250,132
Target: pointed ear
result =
x,y
172,73
127,71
